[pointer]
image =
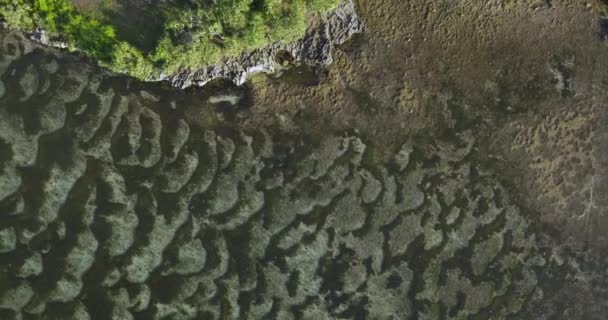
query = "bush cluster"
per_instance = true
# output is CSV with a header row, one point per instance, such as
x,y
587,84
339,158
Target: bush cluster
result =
x,y
195,33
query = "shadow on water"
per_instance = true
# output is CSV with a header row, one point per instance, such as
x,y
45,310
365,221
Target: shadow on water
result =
x,y
604,28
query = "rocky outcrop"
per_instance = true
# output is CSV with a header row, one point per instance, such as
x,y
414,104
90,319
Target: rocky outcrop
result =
x,y
42,36
315,48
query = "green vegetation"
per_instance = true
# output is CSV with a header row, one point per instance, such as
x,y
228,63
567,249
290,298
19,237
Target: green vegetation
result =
x,y
18,13
192,33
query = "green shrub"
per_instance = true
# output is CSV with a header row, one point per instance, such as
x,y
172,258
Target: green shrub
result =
x,y
85,33
128,60
323,5
18,13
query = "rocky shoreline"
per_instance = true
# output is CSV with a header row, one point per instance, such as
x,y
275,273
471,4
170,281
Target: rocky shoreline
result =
x,y
315,48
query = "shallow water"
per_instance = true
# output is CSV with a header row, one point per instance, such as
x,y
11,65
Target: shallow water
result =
x,y
122,200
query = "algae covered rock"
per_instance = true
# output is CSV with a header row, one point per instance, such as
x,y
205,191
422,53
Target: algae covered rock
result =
x,y
8,240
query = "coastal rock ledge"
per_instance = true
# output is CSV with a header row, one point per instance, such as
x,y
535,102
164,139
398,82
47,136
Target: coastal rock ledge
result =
x,y
315,48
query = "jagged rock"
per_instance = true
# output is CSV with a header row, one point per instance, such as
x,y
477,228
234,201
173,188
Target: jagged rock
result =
x,y
42,36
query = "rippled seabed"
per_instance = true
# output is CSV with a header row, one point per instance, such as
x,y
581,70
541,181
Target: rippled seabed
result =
x,y
115,206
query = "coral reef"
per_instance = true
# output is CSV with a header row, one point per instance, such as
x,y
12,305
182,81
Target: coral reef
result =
x,y
117,205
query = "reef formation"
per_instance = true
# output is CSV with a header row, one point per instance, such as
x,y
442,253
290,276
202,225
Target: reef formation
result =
x,y
116,205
